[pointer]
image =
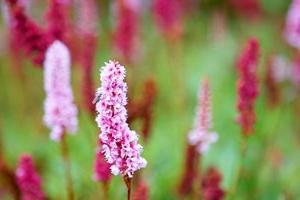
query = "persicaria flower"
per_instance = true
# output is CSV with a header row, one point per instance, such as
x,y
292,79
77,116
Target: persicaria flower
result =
x,y
119,143
57,17
88,14
127,27
292,27
247,86
60,110
101,168
168,17
32,39
28,179
200,136
210,185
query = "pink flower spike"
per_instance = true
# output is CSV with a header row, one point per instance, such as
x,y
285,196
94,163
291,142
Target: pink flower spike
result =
x,y
32,39
28,180
57,16
119,143
60,110
168,17
101,168
247,86
292,27
200,136
88,17
126,34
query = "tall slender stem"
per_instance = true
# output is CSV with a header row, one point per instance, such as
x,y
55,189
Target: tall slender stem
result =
x,y
67,167
127,181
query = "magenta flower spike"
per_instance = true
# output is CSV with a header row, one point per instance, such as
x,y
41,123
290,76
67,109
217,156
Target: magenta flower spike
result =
x,y
126,34
28,179
30,37
247,86
58,22
168,17
200,135
292,27
60,110
88,16
101,168
119,143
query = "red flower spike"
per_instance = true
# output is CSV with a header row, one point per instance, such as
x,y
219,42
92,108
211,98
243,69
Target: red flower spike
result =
x,y
247,86
210,185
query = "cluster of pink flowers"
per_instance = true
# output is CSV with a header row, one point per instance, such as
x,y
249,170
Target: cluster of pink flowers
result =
x,y
292,27
58,19
60,111
88,14
101,168
28,180
211,185
119,143
31,38
168,17
127,28
200,136
247,86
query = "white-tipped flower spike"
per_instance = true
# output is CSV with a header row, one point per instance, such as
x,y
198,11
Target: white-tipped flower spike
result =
x,y
200,136
60,110
119,143
292,27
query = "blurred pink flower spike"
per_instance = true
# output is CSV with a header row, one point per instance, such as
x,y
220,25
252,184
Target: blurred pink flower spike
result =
x,y
200,136
247,86
126,34
119,143
101,168
28,179
168,17
292,27
60,111
88,17
58,22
